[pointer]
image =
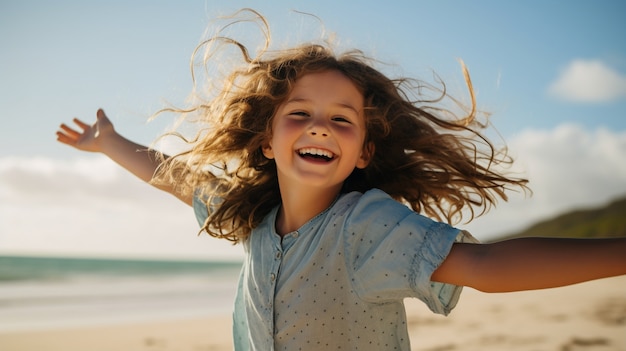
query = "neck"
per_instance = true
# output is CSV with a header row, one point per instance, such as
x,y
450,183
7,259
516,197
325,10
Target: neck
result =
x,y
300,206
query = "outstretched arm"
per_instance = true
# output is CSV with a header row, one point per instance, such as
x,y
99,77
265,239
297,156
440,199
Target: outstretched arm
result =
x,y
532,263
102,137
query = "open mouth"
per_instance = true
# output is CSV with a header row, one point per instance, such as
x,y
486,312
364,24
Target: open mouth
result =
x,y
316,154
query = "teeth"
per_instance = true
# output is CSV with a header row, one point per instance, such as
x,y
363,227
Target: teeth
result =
x,y
315,152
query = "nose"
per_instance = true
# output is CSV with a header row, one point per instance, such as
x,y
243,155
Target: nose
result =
x,y
319,128
314,132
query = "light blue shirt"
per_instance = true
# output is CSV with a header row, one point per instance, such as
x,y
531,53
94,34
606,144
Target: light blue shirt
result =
x,y
339,281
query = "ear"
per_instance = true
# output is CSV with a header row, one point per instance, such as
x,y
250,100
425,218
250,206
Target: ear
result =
x,y
366,155
267,151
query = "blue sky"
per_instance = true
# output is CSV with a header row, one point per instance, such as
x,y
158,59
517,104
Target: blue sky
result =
x,y
553,74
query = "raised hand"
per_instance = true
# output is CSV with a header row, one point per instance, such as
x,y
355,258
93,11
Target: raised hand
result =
x,y
102,137
88,137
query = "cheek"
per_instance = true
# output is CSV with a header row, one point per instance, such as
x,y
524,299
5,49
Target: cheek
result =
x,y
287,127
350,135
285,133
279,144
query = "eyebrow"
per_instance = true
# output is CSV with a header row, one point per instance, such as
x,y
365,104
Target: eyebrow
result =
x,y
340,104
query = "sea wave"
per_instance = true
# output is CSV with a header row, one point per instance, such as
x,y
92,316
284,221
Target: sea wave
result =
x,y
79,292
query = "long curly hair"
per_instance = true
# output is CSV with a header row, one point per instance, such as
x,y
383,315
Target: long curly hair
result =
x,y
426,156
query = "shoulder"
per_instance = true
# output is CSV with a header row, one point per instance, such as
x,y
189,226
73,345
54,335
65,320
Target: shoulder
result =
x,y
360,200
373,206
375,217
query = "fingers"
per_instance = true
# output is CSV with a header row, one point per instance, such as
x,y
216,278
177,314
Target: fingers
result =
x,y
81,124
69,135
69,131
66,139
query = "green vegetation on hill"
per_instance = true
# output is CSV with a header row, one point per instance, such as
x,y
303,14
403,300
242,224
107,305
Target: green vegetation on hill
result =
x,y
605,222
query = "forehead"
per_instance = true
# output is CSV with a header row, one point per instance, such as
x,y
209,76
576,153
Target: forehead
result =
x,y
329,85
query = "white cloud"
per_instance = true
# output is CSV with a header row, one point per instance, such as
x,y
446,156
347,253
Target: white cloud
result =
x,y
568,167
92,207
589,81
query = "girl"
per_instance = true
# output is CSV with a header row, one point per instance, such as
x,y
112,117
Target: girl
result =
x,y
326,171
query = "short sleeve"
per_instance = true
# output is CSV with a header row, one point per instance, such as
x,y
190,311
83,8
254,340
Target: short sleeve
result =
x,y
446,296
394,251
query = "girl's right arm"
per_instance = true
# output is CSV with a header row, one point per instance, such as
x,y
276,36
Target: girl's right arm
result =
x,y
102,137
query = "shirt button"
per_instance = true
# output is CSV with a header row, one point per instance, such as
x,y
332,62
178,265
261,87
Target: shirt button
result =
x,y
278,254
295,235
272,277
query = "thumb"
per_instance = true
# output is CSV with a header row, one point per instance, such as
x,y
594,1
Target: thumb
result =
x,y
103,124
102,119
100,114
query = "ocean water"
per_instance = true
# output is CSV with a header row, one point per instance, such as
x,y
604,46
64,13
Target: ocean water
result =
x,y
48,293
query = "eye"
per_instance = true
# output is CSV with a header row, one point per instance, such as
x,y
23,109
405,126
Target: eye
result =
x,y
299,113
341,119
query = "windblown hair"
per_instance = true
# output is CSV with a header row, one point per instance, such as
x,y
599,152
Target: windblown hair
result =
x,y
425,156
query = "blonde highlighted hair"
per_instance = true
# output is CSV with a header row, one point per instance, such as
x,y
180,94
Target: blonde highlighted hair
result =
x,y
438,163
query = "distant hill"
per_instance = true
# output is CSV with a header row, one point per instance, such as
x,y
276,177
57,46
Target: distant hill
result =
x,y
604,222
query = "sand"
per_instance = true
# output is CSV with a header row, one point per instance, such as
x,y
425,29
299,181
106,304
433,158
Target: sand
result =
x,y
584,317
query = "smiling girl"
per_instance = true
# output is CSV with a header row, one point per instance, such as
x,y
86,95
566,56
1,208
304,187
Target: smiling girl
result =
x,y
341,188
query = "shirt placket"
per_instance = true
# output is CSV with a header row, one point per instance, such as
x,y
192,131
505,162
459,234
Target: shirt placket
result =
x,y
272,282
286,242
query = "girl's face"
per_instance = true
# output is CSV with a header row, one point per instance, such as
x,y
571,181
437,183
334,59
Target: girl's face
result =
x,y
318,133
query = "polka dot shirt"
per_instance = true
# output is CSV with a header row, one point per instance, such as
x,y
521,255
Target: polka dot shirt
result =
x,y
338,282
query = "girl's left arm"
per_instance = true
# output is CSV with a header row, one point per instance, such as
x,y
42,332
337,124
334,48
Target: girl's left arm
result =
x,y
532,263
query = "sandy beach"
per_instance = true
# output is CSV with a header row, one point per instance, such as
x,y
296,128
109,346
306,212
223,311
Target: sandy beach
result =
x,y
584,317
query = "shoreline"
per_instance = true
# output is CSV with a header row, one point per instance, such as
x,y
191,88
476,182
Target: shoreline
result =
x,y
589,316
